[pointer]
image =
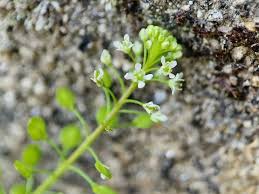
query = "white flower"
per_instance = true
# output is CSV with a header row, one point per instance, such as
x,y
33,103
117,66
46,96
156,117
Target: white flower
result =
x,y
98,77
124,45
106,57
138,75
175,83
158,117
167,67
150,107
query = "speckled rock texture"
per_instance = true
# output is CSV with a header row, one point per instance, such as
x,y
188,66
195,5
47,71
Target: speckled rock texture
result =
x,y
210,145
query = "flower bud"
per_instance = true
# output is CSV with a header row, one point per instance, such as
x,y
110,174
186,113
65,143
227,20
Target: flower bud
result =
x,y
106,57
36,129
70,136
65,98
137,48
165,45
148,44
143,35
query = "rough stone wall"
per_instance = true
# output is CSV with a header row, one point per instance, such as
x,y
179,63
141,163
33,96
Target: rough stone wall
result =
x,y
210,144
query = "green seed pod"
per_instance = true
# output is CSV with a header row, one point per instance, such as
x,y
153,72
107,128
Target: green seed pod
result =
x,y
36,129
101,189
31,154
23,169
65,98
70,136
18,189
103,170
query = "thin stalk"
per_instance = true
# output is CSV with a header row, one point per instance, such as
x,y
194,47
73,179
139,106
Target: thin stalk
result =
x,y
112,95
134,102
64,165
82,174
55,147
132,58
108,100
130,111
29,185
117,75
82,121
160,80
91,151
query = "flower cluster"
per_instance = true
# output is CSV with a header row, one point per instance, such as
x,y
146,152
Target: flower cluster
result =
x,y
159,50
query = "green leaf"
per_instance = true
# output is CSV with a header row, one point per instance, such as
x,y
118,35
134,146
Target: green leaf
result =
x,y
65,98
101,189
70,136
107,80
143,121
36,129
103,170
101,115
18,189
31,154
23,169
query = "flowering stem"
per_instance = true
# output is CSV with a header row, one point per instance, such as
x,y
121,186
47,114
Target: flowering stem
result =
x,y
89,140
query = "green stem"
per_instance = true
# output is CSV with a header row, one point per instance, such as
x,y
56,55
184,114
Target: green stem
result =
x,y
82,174
82,121
108,100
130,111
117,74
55,147
132,58
91,151
134,102
112,95
29,185
63,166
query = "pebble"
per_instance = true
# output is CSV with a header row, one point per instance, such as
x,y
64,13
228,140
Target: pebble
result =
x,y
255,81
215,16
160,96
238,53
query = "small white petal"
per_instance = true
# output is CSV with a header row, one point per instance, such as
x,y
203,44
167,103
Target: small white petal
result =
x,y
148,77
126,37
141,84
171,76
129,76
117,44
163,60
138,67
173,64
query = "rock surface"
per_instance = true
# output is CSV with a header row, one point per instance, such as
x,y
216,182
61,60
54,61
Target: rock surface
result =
x,y
210,143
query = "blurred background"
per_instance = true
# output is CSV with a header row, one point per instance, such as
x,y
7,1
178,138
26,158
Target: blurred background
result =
x,y
209,145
